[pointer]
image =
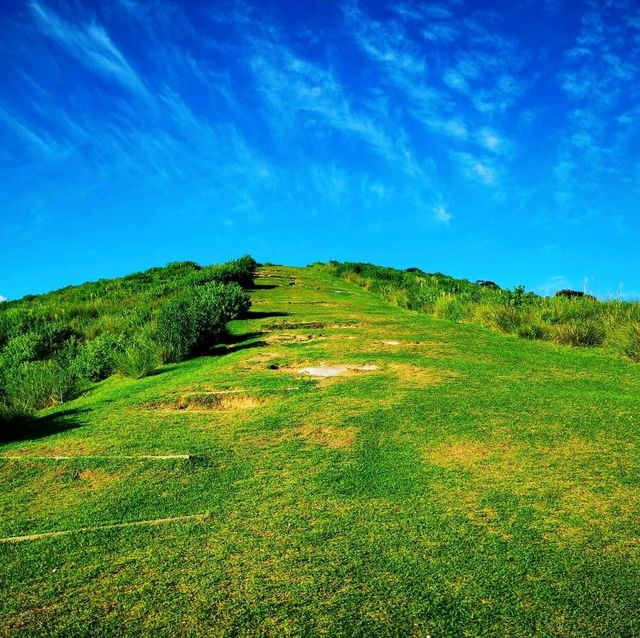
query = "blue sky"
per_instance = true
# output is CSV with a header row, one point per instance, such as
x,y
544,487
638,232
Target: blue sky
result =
x,y
493,140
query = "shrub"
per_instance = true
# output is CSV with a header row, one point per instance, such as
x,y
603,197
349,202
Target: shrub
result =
x,y
20,349
139,359
221,303
485,283
176,329
240,271
96,360
397,296
448,307
190,324
579,333
531,331
40,343
507,319
630,342
36,385
574,294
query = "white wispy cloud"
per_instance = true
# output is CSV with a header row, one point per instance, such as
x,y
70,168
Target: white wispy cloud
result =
x,y
442,215
91,45
599,77
480,169
39,141
300,92
438,87
3,298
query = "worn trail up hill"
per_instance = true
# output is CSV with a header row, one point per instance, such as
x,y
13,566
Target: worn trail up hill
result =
x,y
343,468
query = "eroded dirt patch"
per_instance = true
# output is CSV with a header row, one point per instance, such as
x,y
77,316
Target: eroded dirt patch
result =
x,y
286,338
220,401
307,325
325,371
226,401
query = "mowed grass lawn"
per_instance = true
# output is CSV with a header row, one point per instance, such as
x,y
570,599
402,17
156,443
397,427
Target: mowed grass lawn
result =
x,y
473,484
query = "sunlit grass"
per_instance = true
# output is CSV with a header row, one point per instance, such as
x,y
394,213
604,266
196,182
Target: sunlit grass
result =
x,y
473,484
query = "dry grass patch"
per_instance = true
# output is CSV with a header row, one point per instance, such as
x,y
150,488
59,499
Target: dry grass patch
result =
x,y
224,401
421,376
327,436
220,401
95,479
285,324
328,371
562,482
286,338
467,454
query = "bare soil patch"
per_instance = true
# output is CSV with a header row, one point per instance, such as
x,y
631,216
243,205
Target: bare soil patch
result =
x,y
202,401
284,338
226,401
336,370
307,325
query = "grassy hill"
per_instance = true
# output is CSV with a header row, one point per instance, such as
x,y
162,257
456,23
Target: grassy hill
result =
x,y
448,481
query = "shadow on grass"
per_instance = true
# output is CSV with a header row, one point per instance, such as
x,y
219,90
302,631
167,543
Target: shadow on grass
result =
x,y
243,346
163,370
28,429
256,314
236,343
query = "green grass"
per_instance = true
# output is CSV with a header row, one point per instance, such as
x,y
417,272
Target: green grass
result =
x,y
475,484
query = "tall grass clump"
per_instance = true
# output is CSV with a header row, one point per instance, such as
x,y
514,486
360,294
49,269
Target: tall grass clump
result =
x,y
449,307
96,360
35,385
191,324
139,358
585,333
626,340
52,345
571,318
507,319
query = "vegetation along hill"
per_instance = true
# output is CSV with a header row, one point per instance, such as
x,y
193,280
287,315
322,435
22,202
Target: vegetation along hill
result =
x,y
337,450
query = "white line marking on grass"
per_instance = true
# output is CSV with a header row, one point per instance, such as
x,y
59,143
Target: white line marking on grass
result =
x,y
144,457
156,521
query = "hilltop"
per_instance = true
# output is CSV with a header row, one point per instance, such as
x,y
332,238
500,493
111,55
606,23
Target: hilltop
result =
x,y
344,461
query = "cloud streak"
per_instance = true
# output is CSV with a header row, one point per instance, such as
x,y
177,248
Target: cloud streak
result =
x,y
91,45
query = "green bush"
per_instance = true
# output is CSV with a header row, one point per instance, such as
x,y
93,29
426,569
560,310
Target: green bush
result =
x,y
139,359
96,360
240,271
507,319
630,342
531,331
190,324
176,329
40,343
221,303
36,385
20,349
579,333
448,307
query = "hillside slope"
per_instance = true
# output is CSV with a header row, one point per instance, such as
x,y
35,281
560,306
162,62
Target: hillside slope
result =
x,y
449,482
